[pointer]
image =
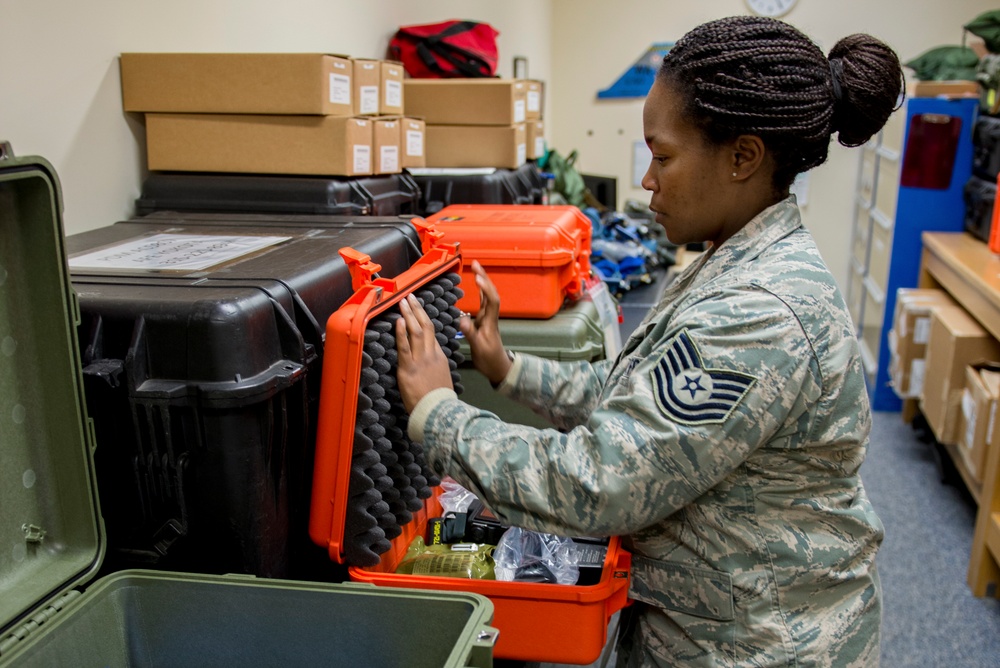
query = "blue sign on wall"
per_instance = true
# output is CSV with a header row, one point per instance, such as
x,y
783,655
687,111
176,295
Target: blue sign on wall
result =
x,y
638,79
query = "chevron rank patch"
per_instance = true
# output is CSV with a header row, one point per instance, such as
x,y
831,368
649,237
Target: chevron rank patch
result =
x,y
689,393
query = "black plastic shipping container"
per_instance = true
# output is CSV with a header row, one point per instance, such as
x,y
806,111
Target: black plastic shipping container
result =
x,y
986,148
441,188
980,196
388,195
203,386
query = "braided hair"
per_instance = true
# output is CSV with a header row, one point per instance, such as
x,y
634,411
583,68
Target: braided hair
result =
x,y
759,76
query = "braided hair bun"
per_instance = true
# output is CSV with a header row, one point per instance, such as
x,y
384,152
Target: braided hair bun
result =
x,y
760,76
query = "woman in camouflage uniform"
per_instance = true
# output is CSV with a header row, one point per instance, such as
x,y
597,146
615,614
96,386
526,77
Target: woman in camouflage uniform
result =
x,y
724,442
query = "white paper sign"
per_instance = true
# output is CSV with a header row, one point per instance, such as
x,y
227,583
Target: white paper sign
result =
x,y
414,142
519,114
534,101
389,159
362,159
393,94
340,89
522,153
369,100
173,252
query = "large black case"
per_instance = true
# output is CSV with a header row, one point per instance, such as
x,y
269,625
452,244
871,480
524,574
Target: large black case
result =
x,y
204,385
980,196
388,195
986,148
441,188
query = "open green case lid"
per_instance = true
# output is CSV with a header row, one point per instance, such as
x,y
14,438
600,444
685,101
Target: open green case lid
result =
x,y
51,537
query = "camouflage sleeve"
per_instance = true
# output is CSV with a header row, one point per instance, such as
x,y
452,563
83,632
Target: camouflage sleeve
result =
x,y
564,393
723,377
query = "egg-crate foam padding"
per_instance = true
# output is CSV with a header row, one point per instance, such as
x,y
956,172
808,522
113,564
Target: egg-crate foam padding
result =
x,y
369,477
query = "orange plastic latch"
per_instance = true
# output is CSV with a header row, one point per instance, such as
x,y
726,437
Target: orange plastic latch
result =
x,y
430,237
361,267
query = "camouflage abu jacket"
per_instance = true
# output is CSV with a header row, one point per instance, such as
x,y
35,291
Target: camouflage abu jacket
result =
x,y
723,444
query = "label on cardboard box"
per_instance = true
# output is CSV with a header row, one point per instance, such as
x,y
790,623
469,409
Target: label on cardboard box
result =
x,y
969,413
362,159
534,101
921,330
414,142
369,100
519,112
522,153
340,88
389,159
917,370
393,93
539,146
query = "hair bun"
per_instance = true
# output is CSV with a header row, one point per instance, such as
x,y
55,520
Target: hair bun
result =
x,y
869,78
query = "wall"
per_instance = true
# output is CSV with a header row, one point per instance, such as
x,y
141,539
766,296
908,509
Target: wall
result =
x,y
61,89
596,41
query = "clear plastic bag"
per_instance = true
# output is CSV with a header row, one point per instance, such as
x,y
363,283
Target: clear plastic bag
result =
x,y
455,498
530,556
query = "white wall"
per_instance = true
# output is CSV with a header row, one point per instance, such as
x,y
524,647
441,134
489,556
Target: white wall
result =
x,y
60,88
595,41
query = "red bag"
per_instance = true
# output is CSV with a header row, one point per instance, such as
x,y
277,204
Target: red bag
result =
x,y
445,50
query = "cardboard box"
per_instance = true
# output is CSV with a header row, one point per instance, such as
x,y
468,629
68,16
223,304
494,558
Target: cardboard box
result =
x,y
471,146
962,88
534,100
976,426
237,83
956,341
535,139
367,84
317,145
413,139
908,337
466,101
385,145
391,100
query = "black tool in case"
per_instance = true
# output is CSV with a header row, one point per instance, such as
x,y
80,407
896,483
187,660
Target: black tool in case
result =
x,y
52,612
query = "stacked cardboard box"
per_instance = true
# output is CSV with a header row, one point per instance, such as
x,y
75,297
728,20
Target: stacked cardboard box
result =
x,y
477,122
977,432
266,113
908,337
956,341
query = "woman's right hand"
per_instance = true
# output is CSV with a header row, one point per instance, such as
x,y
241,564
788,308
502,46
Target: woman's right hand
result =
x,y
488,354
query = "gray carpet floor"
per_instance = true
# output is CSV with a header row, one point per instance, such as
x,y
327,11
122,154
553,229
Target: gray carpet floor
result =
x,y
930,618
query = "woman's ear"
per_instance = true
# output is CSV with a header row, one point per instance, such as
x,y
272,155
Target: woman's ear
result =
x,y
747,156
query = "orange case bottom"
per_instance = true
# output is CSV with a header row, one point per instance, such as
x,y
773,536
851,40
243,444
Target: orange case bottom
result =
x,y
537,622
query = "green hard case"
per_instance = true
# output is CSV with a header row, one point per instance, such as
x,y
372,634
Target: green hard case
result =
x,y
52,541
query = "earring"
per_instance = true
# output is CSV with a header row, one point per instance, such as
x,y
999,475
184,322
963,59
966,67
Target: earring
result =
x,y
734,174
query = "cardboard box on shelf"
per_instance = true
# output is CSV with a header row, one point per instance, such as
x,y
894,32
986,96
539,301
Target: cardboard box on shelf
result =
x,y
536,139
977,419
317,145
385,145
367,83
237,83
956,341
476,146
908,337
466,101
413,139
391,100
534,98
962,88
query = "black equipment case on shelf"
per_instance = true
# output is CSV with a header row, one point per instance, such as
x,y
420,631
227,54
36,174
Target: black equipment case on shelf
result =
x,y
52,612
388,195
986,148
441,187
980,196
203,383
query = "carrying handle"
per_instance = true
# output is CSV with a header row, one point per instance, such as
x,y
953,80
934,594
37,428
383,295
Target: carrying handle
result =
x,y
429,235
361,267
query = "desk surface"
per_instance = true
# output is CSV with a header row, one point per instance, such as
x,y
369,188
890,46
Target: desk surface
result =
x,y
966,268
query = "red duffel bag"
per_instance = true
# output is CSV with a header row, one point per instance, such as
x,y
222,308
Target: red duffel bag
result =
x,y
450,49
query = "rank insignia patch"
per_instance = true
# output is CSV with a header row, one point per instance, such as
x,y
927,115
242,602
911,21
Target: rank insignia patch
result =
x,y
689,393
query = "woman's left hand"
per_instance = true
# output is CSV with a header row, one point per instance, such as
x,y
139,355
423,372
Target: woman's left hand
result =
x,y
422,365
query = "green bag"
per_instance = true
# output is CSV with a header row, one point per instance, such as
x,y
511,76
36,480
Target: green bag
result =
x,y
987,27
945,63
568,181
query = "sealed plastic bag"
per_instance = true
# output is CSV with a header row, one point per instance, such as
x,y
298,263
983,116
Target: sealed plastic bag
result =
x,y
461,560
529,556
